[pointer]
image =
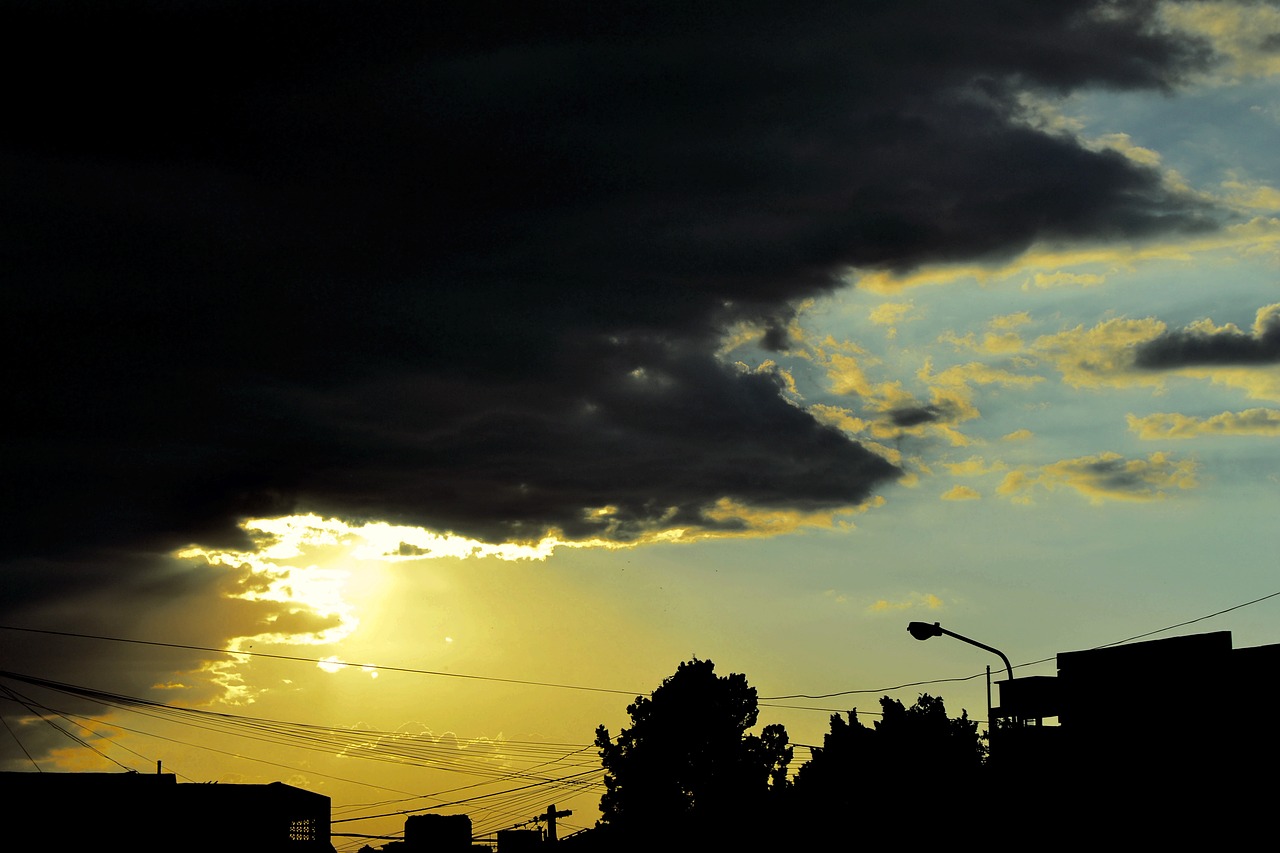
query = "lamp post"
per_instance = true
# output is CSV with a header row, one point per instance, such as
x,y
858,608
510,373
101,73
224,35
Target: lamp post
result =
x,y
924,630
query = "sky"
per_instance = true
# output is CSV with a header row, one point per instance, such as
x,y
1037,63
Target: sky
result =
x,y
465,370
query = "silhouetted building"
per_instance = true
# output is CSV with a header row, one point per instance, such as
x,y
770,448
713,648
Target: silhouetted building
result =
x,y
519,840
437,833
152,812
1167,736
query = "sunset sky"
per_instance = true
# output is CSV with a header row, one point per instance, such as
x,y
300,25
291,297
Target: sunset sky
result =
x,y
470,369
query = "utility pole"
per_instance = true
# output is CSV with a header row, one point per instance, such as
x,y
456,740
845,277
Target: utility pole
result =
x,y
550,818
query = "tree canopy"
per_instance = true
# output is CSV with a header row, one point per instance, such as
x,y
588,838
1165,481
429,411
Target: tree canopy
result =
x,y
914,762
687,768
686,758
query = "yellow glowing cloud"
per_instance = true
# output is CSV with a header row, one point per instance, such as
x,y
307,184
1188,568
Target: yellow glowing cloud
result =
x,y
976,373
838,417
846,376
1009,321
1171,425
1102,355
1261,233
1046,115
1107,476
1001,343
379,541
308,574
891,314
331,664
915,601
954,436
974,466
961,493
1123,143
1252,195
1258,383
743,333
413,737
953,407
1046,281
992,342
1018,435
1238,31
892,455
1001,336
772,522
888,396
951,399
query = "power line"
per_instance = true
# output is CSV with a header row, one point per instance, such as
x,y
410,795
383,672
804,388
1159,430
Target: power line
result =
x,y
1188,622
633,693
869,690
401,748
1019,665
301,659
552,772
572,778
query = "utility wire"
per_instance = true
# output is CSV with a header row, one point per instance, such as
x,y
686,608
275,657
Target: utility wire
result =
x,y
559,686
32,710
301,659
17,740
401,748
1019,665
574,776
1188,622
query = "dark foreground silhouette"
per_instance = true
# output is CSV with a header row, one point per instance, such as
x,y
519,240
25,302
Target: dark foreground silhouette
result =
x,y
1123,765
153,812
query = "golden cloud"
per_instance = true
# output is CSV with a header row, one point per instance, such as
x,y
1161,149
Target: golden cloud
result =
x,y
1001,336
1009,321
961,493
976,373
1252,195
846,376
1123,143
1258,383
891,314
1105,477
1240,32
1047,281
974,466
1102,355
769,522
1259,234
1171,425
838,417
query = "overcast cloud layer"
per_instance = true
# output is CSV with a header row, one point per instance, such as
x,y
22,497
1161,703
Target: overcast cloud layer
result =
x,y
470,269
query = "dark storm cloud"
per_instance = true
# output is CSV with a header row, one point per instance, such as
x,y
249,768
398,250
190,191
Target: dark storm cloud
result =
x,y
467,267
909,416
1226,346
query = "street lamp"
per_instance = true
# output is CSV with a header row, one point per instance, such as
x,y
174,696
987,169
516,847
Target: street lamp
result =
x,y
923,631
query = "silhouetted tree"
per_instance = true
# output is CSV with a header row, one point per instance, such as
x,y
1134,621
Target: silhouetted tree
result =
x,y
686,763
916,763
927,738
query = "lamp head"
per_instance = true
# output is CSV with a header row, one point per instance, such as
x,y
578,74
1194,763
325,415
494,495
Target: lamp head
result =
x,y
923,630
